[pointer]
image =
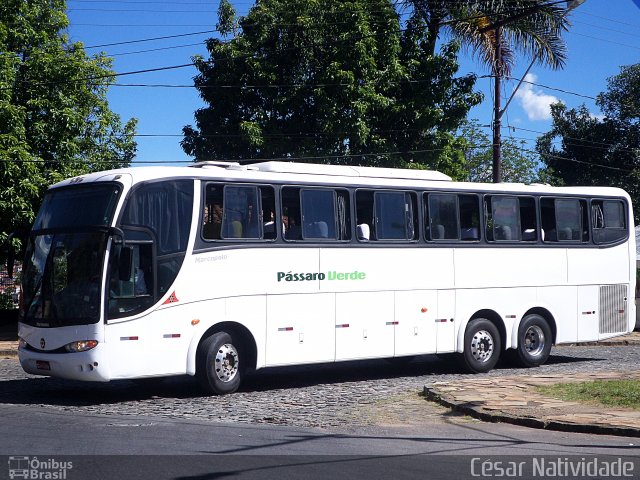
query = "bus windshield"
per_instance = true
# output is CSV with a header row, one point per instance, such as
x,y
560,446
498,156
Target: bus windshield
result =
x,y
64,259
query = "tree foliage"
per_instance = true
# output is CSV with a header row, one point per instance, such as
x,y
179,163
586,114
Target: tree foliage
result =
x,y
327,80
582,149
532,28
518,164
55,121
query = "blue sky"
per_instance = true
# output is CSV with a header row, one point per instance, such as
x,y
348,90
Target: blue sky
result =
x,y
603,37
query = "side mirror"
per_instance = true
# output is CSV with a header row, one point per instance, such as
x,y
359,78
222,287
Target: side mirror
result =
x,y
125,263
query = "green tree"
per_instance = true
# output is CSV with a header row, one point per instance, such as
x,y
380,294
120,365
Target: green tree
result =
x,y
55,121
581,149
336,81
518,163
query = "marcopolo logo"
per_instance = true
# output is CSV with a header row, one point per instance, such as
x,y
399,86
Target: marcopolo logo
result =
x,y
312,276
34,468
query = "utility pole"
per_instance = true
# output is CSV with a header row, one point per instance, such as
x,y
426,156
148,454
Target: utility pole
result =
x,y
497,113
497,77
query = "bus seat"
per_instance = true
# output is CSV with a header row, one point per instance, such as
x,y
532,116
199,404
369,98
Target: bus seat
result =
x,y
503,232
293,233
236,229
363,232
322,229
437,231
211,231
565,234
529,234
469,234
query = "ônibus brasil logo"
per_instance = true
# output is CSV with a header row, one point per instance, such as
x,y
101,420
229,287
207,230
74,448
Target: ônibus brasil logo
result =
x,y
311,276
34,468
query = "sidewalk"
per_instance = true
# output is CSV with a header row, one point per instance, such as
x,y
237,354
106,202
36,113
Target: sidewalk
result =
x,y
515,400
8,339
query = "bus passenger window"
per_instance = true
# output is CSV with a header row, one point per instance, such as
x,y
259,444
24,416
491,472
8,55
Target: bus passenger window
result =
x,y
268,213
212,215
503,218
469,207
528,223
364,216
608,221
395,217
291,214
318,214
562,220
241,213
443,217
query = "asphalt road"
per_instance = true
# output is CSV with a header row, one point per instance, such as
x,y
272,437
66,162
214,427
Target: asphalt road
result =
x,y
363,420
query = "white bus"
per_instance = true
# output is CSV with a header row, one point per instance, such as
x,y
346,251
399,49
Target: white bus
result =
x,y
216,269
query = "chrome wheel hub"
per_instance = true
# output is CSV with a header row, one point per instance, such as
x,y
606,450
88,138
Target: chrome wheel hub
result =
x,y
534,340
226,363
482,346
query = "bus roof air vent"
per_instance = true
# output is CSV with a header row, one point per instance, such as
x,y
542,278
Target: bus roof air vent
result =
x,y
215,163
349,171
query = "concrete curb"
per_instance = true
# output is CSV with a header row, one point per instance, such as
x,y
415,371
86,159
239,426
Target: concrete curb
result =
x,y
517,400
478,412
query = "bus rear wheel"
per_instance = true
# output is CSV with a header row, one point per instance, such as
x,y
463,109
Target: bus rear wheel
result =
x,y
481,346
534,341
219,368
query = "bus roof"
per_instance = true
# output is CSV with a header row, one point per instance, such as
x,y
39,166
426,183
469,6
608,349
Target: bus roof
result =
x,y
309,173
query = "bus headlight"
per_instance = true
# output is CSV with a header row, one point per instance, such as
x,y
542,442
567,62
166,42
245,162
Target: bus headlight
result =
x,y
81,346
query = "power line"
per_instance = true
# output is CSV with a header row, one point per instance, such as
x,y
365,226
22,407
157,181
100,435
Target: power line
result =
x,y
151,39
155,49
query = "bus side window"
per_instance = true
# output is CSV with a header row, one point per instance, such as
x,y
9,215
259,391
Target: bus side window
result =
x,y
241,217
364,216
502,218
469,214
395,217
548,220
442,216
563,220
528,223
268,213
212,214
291,216
319,214
568,219
608,221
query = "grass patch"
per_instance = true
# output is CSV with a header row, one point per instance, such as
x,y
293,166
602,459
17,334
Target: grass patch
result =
x,y
612,393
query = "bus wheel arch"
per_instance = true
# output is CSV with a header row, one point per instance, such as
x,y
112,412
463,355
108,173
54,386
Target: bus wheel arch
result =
x,y
225,352
482,339
546,314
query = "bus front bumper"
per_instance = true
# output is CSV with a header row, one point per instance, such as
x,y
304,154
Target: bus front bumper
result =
x,y
87,366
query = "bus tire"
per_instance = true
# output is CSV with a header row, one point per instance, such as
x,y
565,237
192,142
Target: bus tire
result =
x,y
481,346
219,368
534,341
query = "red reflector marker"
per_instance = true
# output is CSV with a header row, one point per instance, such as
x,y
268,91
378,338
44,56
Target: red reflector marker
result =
x,y
171,335
342,325
128,338
285,329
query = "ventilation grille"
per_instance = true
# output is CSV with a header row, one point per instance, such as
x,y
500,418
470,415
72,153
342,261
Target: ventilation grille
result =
x,y
613,309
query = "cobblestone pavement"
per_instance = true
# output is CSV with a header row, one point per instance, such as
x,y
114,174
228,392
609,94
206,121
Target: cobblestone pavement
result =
x,y
335,397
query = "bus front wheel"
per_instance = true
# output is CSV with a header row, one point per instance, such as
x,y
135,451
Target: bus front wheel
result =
x,y
534,341
219,365
481,346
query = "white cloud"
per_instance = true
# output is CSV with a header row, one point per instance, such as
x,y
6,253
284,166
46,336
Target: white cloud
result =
x,y
536,103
